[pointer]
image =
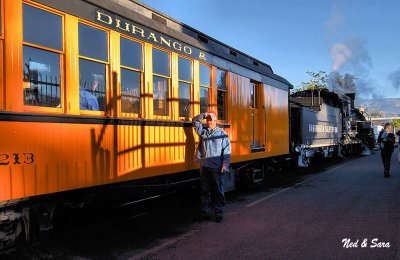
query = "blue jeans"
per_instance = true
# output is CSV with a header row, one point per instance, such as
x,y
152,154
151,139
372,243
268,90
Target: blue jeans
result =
x,y
211,192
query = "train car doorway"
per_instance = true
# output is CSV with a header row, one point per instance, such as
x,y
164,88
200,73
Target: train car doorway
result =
x,y
255,114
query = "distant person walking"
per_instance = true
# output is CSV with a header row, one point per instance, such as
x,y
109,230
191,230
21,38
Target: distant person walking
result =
x,y
386,141
213,154
398,147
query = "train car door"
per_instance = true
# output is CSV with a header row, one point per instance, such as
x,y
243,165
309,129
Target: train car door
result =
x,y
254,106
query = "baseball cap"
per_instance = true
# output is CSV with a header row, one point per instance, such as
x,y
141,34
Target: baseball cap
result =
x,y
211,115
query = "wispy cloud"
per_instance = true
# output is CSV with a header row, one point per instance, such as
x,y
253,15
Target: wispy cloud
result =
x,y
336,21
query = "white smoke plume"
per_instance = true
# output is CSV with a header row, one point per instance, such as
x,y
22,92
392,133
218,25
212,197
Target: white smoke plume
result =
x,y
352,59
340,54
394,77
351,56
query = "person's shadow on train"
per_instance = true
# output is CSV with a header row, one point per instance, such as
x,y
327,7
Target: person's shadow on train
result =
x,y
189,144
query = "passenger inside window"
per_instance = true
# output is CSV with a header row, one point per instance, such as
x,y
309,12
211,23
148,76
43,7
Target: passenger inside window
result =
x,y
92,85
88,101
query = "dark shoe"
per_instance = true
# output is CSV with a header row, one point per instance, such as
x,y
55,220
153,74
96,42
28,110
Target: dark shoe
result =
x,y
386,174
219,219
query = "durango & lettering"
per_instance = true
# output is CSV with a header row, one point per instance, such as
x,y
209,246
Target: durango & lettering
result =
x,y
146,34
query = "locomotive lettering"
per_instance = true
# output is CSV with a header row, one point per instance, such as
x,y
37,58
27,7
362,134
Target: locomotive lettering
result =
x,y
16,158
322,128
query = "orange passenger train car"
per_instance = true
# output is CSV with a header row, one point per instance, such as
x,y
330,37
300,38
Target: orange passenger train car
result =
x,y
95,94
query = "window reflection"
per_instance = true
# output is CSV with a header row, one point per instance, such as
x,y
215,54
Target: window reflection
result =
x,y
1,19
221,79
92,81
92,42
184,99
131,54
160,96
205,82
41,77
203,99
184,88
130,91
161,62
42,28
221,104
161,67
205,75
185,69
221,94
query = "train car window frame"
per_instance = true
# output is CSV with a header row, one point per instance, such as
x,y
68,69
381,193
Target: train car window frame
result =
x,y
204,86
185,83
167,79
254,94
88,93
30,96
221,94
1,19
2,78
131,69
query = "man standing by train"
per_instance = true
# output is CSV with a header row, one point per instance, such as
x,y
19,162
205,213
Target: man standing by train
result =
x,y
213,154
386,140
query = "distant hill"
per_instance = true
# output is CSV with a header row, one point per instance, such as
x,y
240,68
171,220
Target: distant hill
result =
x,y
387,106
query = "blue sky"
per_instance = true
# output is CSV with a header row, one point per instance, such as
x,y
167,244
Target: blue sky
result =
x,y
360,37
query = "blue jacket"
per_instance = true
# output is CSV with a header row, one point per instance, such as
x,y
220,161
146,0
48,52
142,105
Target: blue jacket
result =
x,y
88,101
214,149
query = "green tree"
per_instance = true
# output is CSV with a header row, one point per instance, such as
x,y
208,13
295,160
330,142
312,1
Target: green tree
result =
x,y
395,123
318,80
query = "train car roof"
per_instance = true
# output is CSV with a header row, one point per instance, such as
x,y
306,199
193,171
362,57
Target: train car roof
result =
x,y
147,16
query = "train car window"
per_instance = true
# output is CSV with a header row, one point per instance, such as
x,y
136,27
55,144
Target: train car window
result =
x,y
41,67
221,94
1,18
131,54
42,28
130,91
92,85
205,82
253,96
161,81
221,79
92,42
185,69
185,83
41,77
161,64
131,74
92,73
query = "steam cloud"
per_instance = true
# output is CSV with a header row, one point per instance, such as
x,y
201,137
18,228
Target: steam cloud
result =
x,y
394,77
340,54
352,58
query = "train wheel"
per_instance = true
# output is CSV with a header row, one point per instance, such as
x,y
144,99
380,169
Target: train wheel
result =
x,y
12,230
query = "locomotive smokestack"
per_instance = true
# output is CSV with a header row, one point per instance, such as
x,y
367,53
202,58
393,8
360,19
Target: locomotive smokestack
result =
x,y
352,96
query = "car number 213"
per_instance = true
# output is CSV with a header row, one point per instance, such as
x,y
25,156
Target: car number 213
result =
x,y
16,158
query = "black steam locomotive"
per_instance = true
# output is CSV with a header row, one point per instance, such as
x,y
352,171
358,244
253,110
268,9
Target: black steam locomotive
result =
x,y
326,123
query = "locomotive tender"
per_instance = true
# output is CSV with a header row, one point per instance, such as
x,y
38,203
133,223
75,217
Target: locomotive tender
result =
x,y
98,96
